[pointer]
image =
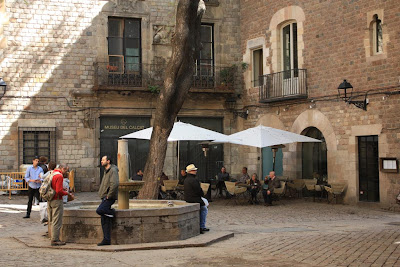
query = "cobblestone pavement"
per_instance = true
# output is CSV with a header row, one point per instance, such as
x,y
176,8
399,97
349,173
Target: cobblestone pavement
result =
x,y
291,233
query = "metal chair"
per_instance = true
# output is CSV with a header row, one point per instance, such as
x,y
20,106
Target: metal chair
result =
x,y
169,188
336,190
281,191
235,191
297,186
205,187
310,186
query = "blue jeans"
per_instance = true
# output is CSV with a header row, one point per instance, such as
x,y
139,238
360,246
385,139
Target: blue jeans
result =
x,y
106,222
203,216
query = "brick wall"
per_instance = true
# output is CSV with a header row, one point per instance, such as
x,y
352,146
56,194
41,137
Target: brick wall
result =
x,y
336,47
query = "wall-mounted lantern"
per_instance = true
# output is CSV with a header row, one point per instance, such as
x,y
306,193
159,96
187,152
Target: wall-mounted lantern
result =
x,y
345,91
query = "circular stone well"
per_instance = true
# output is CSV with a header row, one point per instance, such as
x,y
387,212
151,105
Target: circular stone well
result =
x,y
145,221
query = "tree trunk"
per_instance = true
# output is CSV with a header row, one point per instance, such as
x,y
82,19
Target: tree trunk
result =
x,y
177,82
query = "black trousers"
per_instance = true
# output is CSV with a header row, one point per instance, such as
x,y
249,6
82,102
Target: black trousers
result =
x,y
31,193
254,192
267,198
106,222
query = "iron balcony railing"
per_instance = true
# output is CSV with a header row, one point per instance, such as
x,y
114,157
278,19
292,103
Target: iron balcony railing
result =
x,y
126,76
290,84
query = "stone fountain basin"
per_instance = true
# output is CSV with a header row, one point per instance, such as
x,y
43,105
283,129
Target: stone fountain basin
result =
x,y
145,221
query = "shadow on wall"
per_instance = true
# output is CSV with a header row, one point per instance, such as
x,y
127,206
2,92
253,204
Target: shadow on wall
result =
x,y
51,51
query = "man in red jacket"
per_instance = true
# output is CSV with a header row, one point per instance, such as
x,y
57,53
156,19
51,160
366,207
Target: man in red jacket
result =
x,y
56,205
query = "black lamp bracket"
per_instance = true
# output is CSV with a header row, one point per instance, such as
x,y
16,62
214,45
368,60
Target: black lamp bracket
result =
x,y
359,104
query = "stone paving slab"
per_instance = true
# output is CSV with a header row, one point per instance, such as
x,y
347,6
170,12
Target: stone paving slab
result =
x,y
39,241
294,232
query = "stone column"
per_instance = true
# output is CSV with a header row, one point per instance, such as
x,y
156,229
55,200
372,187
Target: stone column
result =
x,y
123,166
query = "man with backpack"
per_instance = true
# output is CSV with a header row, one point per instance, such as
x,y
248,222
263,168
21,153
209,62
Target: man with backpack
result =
x,y
55,206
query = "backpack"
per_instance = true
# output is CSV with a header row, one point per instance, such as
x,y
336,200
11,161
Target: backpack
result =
x,y
46,191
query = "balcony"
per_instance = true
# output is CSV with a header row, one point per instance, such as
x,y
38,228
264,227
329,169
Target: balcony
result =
x,y
139,77
284,85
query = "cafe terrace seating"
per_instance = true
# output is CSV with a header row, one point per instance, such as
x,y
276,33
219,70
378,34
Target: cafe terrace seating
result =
x,y
169,188
336,190
235,191
310,186
204,187
297,186
281,191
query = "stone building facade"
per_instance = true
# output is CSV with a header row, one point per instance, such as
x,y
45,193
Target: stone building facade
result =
x,y
328,41
82,73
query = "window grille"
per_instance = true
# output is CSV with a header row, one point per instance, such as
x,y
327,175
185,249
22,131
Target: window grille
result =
x,y
36,141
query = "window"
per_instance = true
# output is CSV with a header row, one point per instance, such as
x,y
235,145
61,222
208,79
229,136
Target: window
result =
x,y
289,50
36,141
377,35
124,45
257,66
205,63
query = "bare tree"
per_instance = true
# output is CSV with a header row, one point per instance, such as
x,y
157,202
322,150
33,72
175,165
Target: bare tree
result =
x,y
177,82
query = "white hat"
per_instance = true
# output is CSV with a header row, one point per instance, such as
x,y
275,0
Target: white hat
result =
x,y
190,167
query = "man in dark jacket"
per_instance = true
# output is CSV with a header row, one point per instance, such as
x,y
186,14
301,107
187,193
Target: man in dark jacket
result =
x,y
108,193
194,193
270,183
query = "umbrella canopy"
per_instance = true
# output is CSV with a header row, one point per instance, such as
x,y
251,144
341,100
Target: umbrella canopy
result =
x,y
262,136
181,132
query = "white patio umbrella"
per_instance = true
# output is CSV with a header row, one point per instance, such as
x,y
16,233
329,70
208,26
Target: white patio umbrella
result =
x,y
181,132
262,136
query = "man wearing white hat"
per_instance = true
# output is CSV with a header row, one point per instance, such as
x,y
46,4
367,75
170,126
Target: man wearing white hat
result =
x,y
194,193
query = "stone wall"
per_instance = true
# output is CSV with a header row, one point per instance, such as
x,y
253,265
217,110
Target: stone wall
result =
x,y
334,43
50,49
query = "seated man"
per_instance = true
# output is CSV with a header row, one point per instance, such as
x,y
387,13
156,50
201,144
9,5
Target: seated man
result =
x,y
194,193
270,183
221,178
245,178
138,176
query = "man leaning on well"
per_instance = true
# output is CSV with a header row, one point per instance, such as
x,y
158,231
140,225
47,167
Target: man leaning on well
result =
x,y
33,177
108,193
194,193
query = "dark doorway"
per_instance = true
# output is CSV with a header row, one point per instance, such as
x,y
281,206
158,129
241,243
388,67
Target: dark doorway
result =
x,y
368,163
191,151
314,156
111,128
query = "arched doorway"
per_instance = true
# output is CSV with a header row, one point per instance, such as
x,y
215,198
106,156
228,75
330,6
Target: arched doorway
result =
x,y
314,156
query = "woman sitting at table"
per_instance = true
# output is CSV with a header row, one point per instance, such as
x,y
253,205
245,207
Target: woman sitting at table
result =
x,y
254,188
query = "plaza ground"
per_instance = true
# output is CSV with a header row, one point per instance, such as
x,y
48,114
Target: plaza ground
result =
x,y
294,232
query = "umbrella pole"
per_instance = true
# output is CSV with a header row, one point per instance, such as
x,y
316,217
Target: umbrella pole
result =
x,y
273,158
177,165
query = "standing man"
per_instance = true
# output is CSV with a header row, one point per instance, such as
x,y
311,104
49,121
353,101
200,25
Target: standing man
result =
x,y
33,177
108,193
55,207
270,183
194,193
